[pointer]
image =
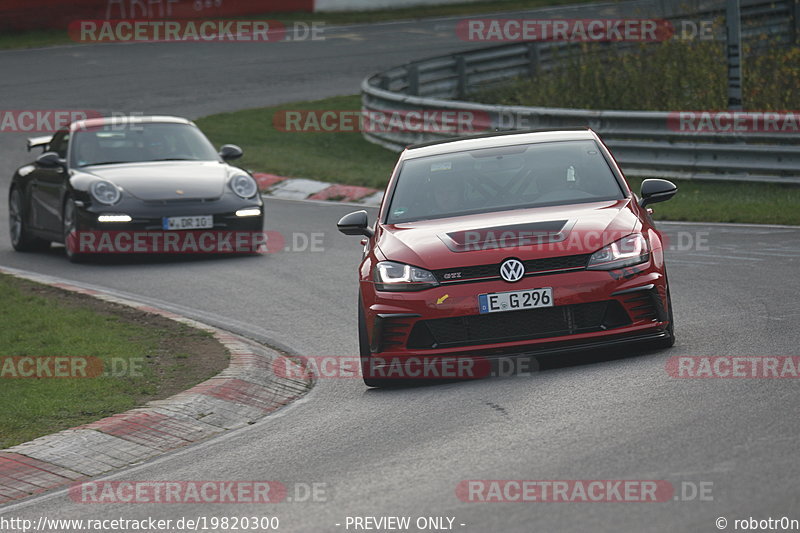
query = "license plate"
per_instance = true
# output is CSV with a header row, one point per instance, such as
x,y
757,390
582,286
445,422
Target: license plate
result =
x,y
195,222
515,300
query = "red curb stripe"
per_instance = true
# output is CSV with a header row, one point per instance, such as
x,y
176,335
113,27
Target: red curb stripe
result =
x,y
36,464
140,428
171,427
241,392
265,181
348,193
25,479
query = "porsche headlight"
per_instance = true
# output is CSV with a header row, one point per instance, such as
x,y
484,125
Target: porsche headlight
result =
x,y
105,192
391,276
244,186
627,251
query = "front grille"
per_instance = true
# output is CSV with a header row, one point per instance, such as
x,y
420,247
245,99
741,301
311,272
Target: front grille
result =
x,y
532,267
555,263
517,325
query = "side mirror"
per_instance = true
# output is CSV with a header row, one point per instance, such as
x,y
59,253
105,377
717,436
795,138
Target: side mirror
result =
x,y
50,160
355,224
656,190
229,152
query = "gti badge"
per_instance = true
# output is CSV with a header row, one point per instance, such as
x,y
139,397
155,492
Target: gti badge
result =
x,y
512,270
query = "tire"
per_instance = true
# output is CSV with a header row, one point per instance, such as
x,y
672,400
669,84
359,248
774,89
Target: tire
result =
x,y
21,239
70,225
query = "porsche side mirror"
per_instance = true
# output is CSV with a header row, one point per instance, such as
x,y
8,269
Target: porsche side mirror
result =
x,y
355,224
656,190
229,152
50,160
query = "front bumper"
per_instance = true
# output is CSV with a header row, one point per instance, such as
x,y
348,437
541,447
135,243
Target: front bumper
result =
x,y
591,309
149,216
145,232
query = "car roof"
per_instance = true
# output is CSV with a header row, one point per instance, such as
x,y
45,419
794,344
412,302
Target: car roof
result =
x,y
122,120
494,140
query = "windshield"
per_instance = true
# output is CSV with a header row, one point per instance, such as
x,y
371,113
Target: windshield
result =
x,y
498,179
128,143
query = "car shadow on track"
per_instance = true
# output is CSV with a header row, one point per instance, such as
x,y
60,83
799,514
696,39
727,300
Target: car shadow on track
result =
x,y
149,259
525,366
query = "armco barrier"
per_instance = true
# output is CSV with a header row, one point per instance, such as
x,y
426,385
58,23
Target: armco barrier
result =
x,y
645,143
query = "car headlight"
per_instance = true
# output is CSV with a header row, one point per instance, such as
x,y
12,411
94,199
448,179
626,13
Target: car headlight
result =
x,y
105,192
391,276
244,186
627,251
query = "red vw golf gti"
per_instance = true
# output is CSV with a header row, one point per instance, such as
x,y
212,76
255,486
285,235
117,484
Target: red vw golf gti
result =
x,y
508,244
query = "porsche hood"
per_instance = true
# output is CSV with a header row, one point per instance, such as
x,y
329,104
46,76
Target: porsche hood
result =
x,y
157,181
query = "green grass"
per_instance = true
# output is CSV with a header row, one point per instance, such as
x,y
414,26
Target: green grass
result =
x,y
35,324
717,201
336,157
39,38
677,75
348,158
34,39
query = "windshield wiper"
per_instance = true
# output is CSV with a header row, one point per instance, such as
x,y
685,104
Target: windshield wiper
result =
x,y
173,159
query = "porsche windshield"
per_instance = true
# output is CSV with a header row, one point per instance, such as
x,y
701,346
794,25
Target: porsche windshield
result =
x,y
504,178
128,143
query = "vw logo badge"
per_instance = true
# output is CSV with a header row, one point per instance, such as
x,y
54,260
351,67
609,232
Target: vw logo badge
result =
x,y
512,270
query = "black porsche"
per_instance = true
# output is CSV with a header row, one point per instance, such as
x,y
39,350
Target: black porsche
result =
x,y
137,182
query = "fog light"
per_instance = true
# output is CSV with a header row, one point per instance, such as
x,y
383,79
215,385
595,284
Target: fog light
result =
x,y
114,218
249,212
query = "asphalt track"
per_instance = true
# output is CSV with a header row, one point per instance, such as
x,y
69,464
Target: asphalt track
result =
x,y
608,416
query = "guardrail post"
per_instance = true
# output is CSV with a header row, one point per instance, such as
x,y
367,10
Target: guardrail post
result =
x,y
533,58
412,72
384,83
461,72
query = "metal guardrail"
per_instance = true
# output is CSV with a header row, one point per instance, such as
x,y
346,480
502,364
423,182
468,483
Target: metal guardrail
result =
x,y
645,143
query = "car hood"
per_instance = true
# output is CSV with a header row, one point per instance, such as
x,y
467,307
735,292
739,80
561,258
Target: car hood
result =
x,y
522,233
190,180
